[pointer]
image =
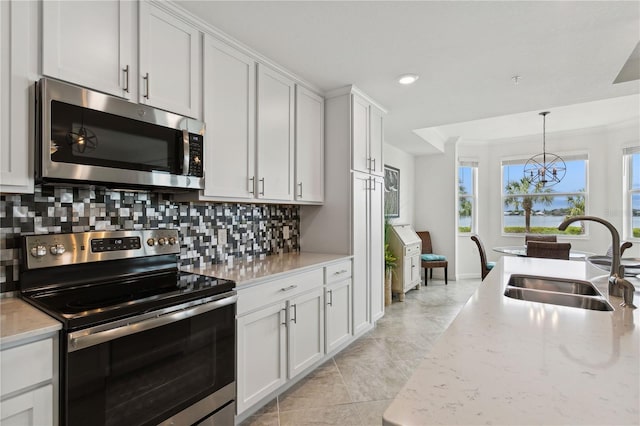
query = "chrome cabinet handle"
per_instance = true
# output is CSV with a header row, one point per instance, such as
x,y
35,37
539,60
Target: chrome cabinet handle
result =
x,y
330,303
252,184
283,311
300,194
295,314
340,272
291,287
146,79
126,78
262,192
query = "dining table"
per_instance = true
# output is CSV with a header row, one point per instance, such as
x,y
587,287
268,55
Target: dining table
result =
x,y
522,251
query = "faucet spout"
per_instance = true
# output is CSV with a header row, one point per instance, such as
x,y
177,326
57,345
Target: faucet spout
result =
x,y
617,286
615,237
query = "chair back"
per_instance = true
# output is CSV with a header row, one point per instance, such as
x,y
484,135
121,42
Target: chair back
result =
x,y
426,242
548,250
625,245
484,270
538,237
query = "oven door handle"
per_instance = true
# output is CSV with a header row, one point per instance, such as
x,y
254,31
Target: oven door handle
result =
x,y
90,337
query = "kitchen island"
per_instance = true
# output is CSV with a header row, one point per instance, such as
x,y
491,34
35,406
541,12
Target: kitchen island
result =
x,y
509,361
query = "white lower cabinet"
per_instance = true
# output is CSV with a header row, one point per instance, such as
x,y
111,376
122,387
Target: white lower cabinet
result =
x,y
262,358
280,332
30,408
27,387
338,314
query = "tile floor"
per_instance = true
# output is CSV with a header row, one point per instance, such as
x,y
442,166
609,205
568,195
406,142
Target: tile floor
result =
x,y
356,386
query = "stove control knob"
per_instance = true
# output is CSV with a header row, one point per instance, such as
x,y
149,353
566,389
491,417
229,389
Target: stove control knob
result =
x,y
162,241
57,249
172,241
151,242
38,251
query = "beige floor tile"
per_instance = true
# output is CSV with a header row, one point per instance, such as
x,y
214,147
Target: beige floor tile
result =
x,y
318,390
265,419
371,412
339,415
372,379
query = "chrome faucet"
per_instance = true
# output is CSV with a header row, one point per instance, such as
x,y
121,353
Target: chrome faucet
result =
x,y
618,286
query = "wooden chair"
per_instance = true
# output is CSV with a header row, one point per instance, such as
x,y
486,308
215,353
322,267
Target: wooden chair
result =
x,y
538,237
485,267
431,260
548,250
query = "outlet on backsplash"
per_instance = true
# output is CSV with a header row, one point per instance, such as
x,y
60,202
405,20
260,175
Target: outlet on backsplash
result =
x,y
222,236
285,232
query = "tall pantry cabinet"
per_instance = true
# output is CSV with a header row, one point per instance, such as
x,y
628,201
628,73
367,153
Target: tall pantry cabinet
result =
x,y
351,220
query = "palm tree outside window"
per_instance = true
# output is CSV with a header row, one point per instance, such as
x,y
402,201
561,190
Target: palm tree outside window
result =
x,y
467,196
534,208
632,201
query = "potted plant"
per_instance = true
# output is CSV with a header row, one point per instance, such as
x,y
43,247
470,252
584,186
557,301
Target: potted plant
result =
x,y
389,266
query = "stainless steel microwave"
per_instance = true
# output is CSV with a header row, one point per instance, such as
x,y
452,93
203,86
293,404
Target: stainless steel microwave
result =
x,y
87,137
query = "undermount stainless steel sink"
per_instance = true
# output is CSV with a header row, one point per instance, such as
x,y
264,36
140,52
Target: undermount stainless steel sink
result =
x,y
558,285
563,299
556,291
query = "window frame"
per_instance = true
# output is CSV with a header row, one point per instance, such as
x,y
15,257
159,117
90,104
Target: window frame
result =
x,y
473,195
567,156
629,192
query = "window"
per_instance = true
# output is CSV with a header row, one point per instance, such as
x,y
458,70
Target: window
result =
x,y
467,172
633,192
531,208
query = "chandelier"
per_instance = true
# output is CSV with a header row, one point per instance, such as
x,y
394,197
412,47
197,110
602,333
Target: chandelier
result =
x,y
545,169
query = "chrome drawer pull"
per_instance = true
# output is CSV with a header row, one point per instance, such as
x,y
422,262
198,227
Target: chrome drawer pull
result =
x,y
340,272
291,287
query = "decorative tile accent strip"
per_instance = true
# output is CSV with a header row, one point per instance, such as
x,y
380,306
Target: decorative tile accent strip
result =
x,y
250,230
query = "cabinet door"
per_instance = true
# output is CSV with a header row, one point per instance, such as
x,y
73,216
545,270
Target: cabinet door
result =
x,y
376,140
18,54
415,270
309,163
169,62
306,330
360,134
229,112
338,314
32,408
275,135
89,43
261,354
376,247
360,253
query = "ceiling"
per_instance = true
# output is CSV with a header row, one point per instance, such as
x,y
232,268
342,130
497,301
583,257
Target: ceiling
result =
x,y
465,52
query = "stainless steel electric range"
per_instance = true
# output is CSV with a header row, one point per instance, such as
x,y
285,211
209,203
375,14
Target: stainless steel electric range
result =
x,y
142,342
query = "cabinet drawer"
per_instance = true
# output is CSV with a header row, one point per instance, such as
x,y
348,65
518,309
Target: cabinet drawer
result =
x,y
337,272
273,291
412,250
26,365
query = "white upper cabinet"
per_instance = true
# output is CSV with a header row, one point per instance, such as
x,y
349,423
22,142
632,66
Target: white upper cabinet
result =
x,y
229,113
309,146
367,137
169,75
275,135
18,53
91,44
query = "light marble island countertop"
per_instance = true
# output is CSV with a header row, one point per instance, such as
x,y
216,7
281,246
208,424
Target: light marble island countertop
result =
x,y
247,273
20,321
506,361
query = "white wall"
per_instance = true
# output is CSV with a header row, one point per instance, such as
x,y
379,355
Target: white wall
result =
x,y
436,204
405,162
435,198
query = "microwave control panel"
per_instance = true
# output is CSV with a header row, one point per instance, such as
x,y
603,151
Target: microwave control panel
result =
x,y
195,154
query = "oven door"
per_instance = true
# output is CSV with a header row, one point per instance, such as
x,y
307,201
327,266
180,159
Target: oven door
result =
x,y
180,363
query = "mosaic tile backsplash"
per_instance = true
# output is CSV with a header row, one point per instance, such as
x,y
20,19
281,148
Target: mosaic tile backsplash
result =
x,y
253,230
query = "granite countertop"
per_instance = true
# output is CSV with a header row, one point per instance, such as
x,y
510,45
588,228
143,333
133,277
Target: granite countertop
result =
x,y
247,273
508,361
21,321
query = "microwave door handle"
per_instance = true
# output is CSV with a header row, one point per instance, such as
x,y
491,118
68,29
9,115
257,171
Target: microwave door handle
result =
x,y
186,152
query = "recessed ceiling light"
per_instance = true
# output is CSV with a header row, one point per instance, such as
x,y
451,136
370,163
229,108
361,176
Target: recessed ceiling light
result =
x,y
408,79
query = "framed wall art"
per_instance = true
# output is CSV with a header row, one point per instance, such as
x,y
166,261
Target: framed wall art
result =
x,y
391,191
